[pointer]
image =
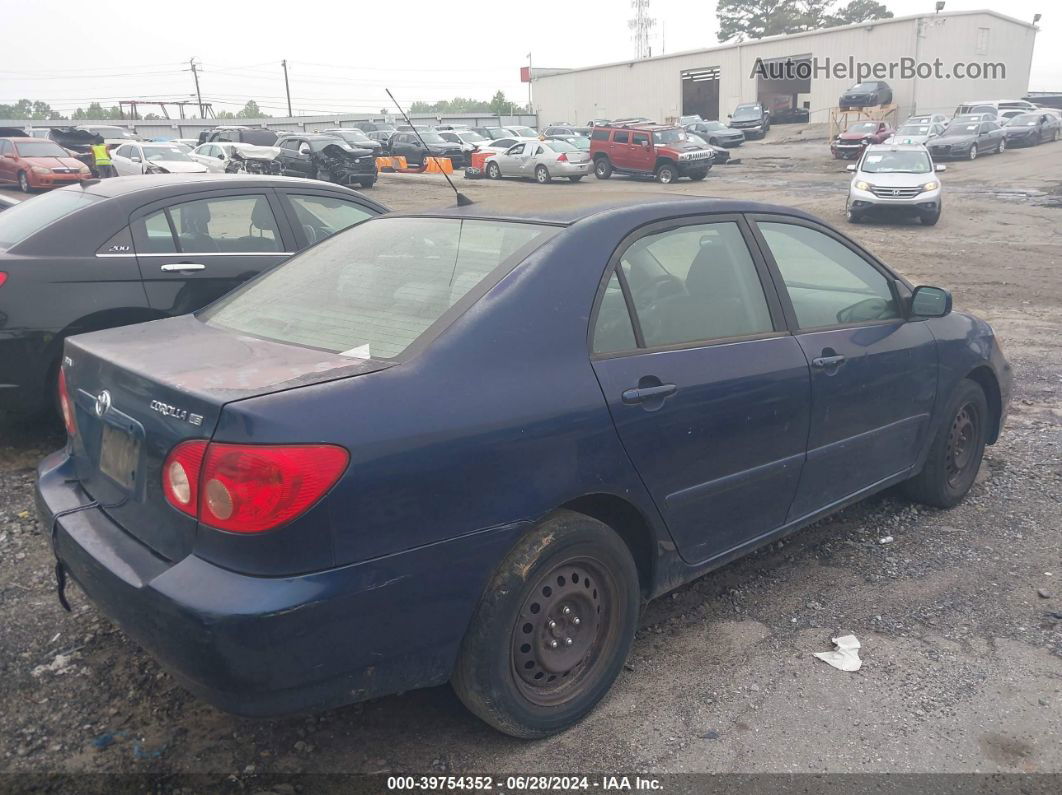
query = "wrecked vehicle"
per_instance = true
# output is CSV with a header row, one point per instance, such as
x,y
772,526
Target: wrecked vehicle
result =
x,y
234,158
78,142
327,158
851,143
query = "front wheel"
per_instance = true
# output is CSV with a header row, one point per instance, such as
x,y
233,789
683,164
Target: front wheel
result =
x,y
1002,146
930,219
552,630
973,152
665,174
493,171
956,451
852,216
542,176
367,183
602,168
23,182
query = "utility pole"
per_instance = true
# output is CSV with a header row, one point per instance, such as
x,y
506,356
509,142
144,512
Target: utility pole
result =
x,y
287,90
198,96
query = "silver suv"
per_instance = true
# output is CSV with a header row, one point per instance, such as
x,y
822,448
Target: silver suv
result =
x,y
900,178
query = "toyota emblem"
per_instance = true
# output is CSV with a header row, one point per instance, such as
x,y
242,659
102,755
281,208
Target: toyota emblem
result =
x,y
103,403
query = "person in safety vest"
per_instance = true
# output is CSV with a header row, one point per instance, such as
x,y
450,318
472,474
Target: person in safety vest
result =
x,y
102,158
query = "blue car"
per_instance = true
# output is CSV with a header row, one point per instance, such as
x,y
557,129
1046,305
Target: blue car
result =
x,y
467,446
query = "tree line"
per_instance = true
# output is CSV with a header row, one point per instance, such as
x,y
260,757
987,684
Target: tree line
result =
x,y
740,20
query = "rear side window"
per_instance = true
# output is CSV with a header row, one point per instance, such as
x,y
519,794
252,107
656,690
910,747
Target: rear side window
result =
x,y
640,138
621,137
613,331
26,218
323,216
370,292
599,135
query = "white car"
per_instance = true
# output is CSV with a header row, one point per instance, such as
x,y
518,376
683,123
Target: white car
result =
x,y
216,156
915,133
927,118
895,178
499,145
147,158
540,161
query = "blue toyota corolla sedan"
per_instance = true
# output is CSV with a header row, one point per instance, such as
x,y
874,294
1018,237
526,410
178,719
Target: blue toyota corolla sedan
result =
x,y
468,445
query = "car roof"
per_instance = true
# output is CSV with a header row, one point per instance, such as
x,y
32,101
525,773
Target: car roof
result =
x,y
167,184
571,209
896,148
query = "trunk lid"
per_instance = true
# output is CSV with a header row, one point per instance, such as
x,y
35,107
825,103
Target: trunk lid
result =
x,y
139,390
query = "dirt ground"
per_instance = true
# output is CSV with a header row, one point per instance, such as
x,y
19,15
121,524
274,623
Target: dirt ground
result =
x,y
959,615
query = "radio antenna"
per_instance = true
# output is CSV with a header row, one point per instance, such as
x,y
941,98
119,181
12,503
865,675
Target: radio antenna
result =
x,y
462,199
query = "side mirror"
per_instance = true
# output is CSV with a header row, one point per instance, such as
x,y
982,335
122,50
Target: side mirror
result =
x,y
221,157
930,302
941,167
850,167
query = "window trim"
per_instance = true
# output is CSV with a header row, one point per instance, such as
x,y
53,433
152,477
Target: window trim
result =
x,y
775,307
285,194
892,279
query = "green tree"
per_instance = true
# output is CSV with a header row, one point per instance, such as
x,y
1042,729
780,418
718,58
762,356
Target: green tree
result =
x,y
499,105
252,111
753,19
860,11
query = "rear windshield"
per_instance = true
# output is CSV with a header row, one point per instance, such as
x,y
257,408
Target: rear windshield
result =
x,y
32,215
372,290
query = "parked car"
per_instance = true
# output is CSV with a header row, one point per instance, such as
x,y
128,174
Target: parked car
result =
x,y
305,511
377,126
524,131
464,138
1031,129
236,133
111,134
721,154
752,119
540,161
356,139
716,133
130,249
33,164
502,144
915,133
851,143
968,139
993,106
632,120
598,123
566,131
686,121
898,178
410,146
144,158
493,133
226,157
580,142
381,136
327,158
650,150
868,94
927,118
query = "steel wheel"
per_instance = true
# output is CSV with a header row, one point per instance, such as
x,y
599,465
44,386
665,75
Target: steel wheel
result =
x,y
963,438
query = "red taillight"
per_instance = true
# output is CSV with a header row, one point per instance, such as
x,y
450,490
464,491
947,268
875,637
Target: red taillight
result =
x,y
562,158
249,488
66,407
3,278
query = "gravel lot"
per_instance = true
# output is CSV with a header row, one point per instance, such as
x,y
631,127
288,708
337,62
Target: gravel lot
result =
x,y
960,614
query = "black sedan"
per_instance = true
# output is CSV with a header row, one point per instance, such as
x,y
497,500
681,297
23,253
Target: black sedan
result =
x,y
716,133
416,147
130,249
968,139
867,94
1031,129
327,158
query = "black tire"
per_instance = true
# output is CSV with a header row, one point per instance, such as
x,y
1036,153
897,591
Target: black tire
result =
x,y
666,173
852,216
1002,146
507,672
930,219
493,170
367,183
713,141
575,179
542,176
602,168
697,176
956,451
973,152
23,182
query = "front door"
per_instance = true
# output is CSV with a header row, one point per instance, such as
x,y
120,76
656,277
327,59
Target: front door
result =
x,y
873,373
642,156
709,394
193,252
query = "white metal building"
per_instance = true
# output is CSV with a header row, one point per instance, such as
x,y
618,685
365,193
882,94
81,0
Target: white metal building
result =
x,y
713,81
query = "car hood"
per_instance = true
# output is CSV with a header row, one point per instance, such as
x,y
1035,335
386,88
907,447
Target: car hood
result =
x,y
344,153
52,162
848,136
952,140
180,166
896,180
256,152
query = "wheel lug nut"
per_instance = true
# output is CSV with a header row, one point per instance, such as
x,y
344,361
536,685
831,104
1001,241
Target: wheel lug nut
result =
x,y
552,624
568,641
575,620
553,644
567,611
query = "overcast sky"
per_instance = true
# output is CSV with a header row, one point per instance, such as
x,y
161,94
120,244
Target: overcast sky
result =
x,y
342,55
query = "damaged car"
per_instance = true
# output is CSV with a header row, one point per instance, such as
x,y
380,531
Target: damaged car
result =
x,y
234,158
327,158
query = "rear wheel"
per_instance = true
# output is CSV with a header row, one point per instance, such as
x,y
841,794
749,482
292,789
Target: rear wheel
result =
x,y
23,182
665,174
956,451
973,152
552,630
542,176
602,168
1002,146
493,171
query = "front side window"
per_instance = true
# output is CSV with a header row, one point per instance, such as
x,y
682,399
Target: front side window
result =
x,y
599,135
372,291
695,283
828,283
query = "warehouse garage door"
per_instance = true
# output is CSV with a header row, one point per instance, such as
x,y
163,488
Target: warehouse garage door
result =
x,y
786,88
700,92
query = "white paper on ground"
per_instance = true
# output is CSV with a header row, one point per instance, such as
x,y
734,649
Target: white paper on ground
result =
x,y
846,656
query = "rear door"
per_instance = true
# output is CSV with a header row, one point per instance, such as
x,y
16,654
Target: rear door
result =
x,y
709,392
873,373
316,215
192,252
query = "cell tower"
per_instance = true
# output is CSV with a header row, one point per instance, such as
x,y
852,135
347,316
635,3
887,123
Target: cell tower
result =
x,y
640,27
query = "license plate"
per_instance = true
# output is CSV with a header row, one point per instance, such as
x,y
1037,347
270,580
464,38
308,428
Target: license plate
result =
x,y
119,453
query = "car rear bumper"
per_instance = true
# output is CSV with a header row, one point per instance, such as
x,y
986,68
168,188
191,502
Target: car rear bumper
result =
x,y
558,169
272,645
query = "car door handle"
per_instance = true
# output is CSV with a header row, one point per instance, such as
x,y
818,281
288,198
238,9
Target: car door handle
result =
x,y
642,394
827,362
171,267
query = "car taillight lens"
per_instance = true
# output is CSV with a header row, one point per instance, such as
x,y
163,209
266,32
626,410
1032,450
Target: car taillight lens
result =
x,y
3,278
66,406
562,158
249,488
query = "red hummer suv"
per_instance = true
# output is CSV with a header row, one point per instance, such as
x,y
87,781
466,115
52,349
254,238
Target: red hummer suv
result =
x,y
653,150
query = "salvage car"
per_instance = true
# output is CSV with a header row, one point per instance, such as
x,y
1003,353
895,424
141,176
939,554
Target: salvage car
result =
x,y
580,142
868,94
895,179
968,139
540,161
225,157
417,148
239,133
915,133
466,445
142,158
716,133
129,249
660,151
1032,129
752,118
566,131
326,158
851,143
33,164
355,138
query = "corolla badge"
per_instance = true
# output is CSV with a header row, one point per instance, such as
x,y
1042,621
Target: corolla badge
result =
x,y
103,403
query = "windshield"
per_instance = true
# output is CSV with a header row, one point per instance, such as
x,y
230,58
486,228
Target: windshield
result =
x,y
669,136
164,153
350,137
40,149
963,128
747,112
32,215
863,127
915,129
902,162
1024,120
470,137
431,137
372,290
